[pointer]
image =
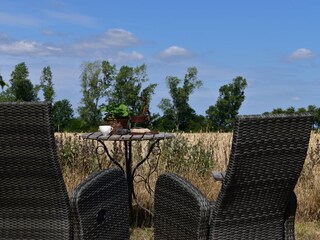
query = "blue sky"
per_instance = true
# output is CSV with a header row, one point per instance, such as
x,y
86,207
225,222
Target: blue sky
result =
x,y
273,44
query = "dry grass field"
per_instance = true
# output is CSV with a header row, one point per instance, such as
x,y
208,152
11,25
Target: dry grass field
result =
x,y
193,156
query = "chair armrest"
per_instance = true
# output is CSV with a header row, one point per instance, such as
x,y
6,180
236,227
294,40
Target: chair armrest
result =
x,y
290,218
100,206
181,211
218,176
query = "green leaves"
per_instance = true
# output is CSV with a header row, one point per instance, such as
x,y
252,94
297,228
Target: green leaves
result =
x,y
222,114
115,92
21,87
116,111
178,107
46,84
62,114
93,89
2,83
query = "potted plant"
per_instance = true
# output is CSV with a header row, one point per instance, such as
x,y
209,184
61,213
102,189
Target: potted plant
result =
x,y
117,115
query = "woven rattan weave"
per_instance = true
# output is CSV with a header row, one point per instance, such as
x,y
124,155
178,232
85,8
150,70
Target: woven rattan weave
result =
x,y
256,200
33,199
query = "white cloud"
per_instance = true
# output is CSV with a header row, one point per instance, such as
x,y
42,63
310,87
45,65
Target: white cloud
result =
x,y
125,57
112,40
111,45
27,48
301,53
174,52
120,38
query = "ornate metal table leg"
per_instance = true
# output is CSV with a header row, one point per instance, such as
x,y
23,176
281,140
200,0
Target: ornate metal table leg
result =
x,y
146,179
131,172
128,156
110,157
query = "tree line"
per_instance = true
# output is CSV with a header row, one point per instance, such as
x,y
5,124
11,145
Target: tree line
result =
x,y
104,86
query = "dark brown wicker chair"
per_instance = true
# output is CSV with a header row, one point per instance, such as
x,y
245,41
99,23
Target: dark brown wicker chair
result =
x,y
33,199
256,200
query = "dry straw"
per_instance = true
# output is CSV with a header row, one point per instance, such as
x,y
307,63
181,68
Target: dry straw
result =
x,y
191,155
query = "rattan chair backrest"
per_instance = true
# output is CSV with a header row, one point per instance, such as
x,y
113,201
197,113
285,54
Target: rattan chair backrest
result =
x,y
267,157
33,199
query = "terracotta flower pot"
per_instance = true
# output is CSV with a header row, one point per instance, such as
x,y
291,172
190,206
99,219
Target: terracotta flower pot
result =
x,y
118,123
138,119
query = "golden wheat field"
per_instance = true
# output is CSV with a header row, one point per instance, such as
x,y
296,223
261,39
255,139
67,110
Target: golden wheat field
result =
x,y
193,156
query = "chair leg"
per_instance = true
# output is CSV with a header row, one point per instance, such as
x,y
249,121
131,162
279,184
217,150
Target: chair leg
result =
x,y
290,218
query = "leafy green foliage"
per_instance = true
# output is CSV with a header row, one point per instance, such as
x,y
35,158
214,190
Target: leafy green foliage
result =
x,y
21,87
222,114
310,109
180,156
62,114
163,123
127,88
94,87
116,111
177,108
102,82
46,84
2,83
6,96
120,92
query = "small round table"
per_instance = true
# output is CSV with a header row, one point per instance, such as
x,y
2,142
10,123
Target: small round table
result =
x,y
127,139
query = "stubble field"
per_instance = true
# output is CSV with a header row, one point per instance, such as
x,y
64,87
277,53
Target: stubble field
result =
x,y
193,156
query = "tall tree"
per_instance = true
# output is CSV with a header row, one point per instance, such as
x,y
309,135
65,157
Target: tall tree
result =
x,y
46,84
231,96
127,88
178,108
94,86
62,113
21,87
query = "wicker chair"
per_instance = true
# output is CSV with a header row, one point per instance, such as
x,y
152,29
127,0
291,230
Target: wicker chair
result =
x,y
256,200
33,199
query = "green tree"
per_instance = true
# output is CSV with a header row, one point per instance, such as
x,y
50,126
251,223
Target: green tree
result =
x,y
102,82
231,96
127,88
314,111
177,108
276,111
21,87
95,81
310,109
198,123
163,123
5,95
288,110
62,114
316,115
2,83
46,84
109,73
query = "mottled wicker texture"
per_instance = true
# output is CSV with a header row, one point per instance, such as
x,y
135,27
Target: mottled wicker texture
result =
x,y
33,199
255,201
102,204
290,217
181,211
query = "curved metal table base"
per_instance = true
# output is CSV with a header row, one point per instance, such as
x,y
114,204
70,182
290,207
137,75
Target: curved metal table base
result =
x,y
130,170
